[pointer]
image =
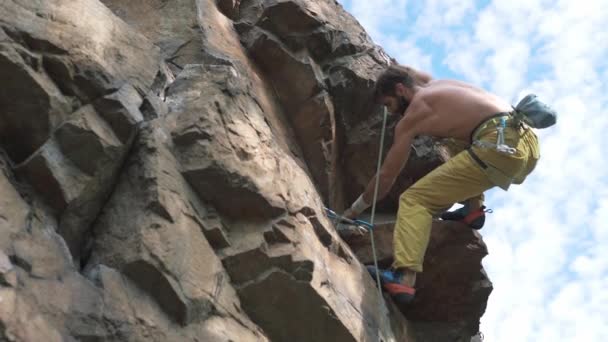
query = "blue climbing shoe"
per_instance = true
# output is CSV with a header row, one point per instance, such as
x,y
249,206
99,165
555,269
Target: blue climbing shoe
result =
x,y
392,282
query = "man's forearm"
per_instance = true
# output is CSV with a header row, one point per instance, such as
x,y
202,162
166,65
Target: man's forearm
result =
x,y
383,188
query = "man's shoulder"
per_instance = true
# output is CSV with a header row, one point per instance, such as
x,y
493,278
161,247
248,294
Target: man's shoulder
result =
x,y
422,99
447,86
416,112
449,81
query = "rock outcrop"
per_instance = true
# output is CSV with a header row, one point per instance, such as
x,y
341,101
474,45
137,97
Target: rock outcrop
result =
x,y
165,165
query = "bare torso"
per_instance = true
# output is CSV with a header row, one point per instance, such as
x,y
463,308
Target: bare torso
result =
x,y
454,108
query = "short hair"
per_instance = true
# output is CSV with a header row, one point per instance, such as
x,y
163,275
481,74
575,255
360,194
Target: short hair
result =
x,y
385,84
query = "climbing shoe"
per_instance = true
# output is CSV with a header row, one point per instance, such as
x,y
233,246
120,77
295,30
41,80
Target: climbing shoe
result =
x,y
392,282
474,219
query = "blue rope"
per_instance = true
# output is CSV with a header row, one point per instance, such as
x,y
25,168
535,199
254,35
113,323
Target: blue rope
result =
x,y
334,216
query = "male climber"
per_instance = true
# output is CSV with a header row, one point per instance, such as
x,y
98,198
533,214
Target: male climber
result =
x,y
446,109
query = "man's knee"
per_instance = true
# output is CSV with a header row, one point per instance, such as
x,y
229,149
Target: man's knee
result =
x,y
413,197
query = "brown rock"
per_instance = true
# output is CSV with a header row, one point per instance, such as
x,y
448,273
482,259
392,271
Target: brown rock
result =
x,y
280,65
213,227
226,170
75,63
453,280
150,232
171,25
321,27
313,287
453,290
229,7
308,108
52,29
315,128
136,317
74,170
322,47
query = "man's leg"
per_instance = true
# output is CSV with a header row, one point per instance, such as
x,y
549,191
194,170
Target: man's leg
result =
x,y
455,181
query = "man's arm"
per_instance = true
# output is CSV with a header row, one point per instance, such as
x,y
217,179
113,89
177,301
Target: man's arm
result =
x,y
395,160
393,164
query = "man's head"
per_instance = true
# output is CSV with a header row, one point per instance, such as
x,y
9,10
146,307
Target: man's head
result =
x,y
395,89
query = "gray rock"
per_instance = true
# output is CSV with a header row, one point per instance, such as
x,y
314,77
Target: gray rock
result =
x,y
229,7
153,107
32,104
53,175
21,320
87,140
14,211
121,110
171,25
42,254
8,276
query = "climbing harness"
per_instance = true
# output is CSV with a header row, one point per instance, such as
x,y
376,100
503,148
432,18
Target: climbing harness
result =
x,y
530,111
500,140
500,145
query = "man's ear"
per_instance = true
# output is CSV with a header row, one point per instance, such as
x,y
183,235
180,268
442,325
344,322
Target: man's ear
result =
x,y
400,89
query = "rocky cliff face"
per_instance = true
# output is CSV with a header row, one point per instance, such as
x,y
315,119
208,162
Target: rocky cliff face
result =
x,y
164,170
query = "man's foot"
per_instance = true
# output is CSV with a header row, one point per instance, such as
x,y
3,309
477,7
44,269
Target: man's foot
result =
x,y
393,282
474,219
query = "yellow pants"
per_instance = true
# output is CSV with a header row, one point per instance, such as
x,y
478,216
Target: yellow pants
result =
x,y
461,178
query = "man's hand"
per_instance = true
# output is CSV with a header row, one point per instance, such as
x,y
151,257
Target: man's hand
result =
x,y
350,214
356,209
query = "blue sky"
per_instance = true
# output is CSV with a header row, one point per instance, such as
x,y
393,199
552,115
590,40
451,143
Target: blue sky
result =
x,y
548,238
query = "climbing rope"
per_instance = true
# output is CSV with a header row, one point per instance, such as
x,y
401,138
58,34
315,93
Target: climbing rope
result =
x,y
369,225
376,186
371,232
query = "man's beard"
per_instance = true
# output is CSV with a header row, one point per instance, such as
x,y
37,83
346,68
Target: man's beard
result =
x,y
403,104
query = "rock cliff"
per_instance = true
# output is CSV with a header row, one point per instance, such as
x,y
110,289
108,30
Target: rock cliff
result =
x,y
165,164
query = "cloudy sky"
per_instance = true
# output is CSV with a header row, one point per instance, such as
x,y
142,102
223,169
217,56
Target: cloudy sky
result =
x,y
548,238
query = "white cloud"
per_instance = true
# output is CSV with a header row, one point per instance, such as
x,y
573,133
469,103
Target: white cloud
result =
x,y
384,21
546,238
378,16
406,52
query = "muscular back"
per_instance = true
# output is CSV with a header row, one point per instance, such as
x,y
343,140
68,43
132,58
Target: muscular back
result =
x,y
452,109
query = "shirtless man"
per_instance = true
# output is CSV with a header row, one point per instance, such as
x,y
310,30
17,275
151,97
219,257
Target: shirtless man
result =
x,y
447,109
